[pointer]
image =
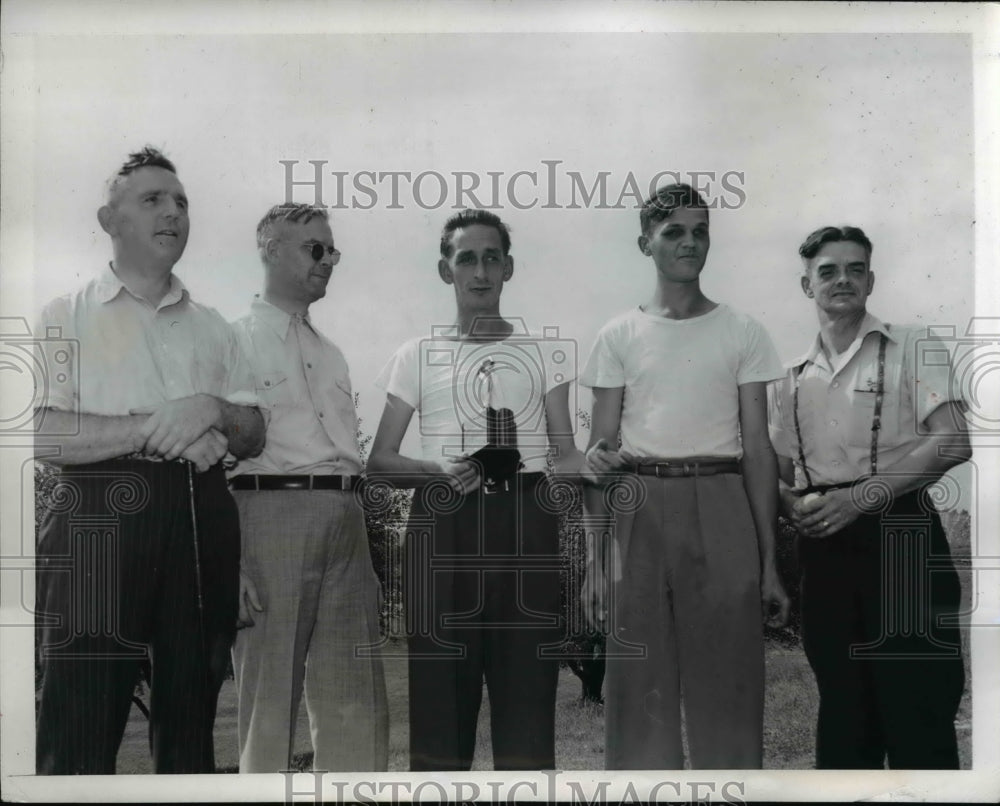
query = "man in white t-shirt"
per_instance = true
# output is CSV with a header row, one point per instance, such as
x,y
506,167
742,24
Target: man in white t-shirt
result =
x,y
482,547
682,380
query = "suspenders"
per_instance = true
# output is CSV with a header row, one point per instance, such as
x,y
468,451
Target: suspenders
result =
x,y
876,418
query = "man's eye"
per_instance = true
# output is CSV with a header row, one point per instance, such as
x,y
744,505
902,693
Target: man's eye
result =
x,y
491,259
672,234
464,260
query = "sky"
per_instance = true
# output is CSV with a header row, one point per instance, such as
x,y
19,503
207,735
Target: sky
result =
x,y
794,132
794,120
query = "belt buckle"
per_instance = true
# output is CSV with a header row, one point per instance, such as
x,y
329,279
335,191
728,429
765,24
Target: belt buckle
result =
x,y
656,469
345,482
256,483
492,488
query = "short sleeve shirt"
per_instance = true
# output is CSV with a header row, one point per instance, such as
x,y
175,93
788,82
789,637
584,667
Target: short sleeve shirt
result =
x,y
681,379
837,401
107,351
444,380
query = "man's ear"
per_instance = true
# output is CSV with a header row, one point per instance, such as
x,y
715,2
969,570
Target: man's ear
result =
x,y
806,286
871,281
643,242
444,270
508,268
271,249
105,218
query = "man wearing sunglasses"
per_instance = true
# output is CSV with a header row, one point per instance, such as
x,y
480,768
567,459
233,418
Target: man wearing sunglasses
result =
x,y
308,594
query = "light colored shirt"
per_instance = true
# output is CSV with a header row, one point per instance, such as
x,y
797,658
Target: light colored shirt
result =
x,y
303,381
107,351
837,402
681,379
444,380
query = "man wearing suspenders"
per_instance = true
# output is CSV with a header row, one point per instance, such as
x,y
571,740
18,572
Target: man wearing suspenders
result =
x,y
862,424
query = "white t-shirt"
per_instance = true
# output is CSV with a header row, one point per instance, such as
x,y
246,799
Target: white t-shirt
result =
x,y
681,379
445,380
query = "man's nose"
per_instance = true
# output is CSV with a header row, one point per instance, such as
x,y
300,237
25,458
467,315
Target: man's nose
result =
x,y
480,270
171,207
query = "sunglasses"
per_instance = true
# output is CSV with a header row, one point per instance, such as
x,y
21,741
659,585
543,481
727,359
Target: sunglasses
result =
x,y
317,250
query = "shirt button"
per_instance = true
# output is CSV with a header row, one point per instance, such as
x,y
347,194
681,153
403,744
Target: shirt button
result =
x,y
833,423
267,383
836,384
321,415
309,366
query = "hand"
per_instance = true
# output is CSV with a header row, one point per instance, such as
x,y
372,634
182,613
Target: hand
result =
x,y
249,601
774,601
207,450
462,473
593,597
601,462
173,426
826,514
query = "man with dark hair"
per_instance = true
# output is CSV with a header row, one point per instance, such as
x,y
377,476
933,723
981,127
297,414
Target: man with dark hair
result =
x,y
308,594
862,424
482,544
682,380
139,551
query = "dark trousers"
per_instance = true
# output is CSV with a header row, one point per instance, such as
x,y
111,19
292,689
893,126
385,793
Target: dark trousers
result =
x,y
482,602
116,585
890,674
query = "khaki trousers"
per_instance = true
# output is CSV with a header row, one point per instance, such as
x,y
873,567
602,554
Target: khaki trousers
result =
x,y
307,553
686,627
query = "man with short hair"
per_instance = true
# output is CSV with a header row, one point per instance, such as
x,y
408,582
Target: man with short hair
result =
x,y
309,599
862,424
482,545
682,380
139,550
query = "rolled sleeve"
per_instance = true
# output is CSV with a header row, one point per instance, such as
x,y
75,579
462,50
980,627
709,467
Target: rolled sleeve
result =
x,y
780,437
240,385
932,381
56,350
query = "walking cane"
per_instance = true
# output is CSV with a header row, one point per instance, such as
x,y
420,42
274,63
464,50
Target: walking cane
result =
x,y
197,562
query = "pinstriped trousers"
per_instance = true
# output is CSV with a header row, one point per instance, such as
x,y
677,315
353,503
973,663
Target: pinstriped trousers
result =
x,y
116,583
686,623
307,553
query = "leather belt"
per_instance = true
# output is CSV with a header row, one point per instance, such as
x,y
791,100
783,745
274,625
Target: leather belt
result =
x,y
675,468
265,482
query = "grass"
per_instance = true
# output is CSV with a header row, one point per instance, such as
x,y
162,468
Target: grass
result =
x,y
789,723
790,707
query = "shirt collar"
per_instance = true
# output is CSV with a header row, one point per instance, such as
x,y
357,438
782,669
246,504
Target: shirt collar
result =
x,y
110,285
814,355
278,320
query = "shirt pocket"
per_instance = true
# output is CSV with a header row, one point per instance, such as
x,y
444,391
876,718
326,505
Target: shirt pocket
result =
x,y
273,388
863,414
